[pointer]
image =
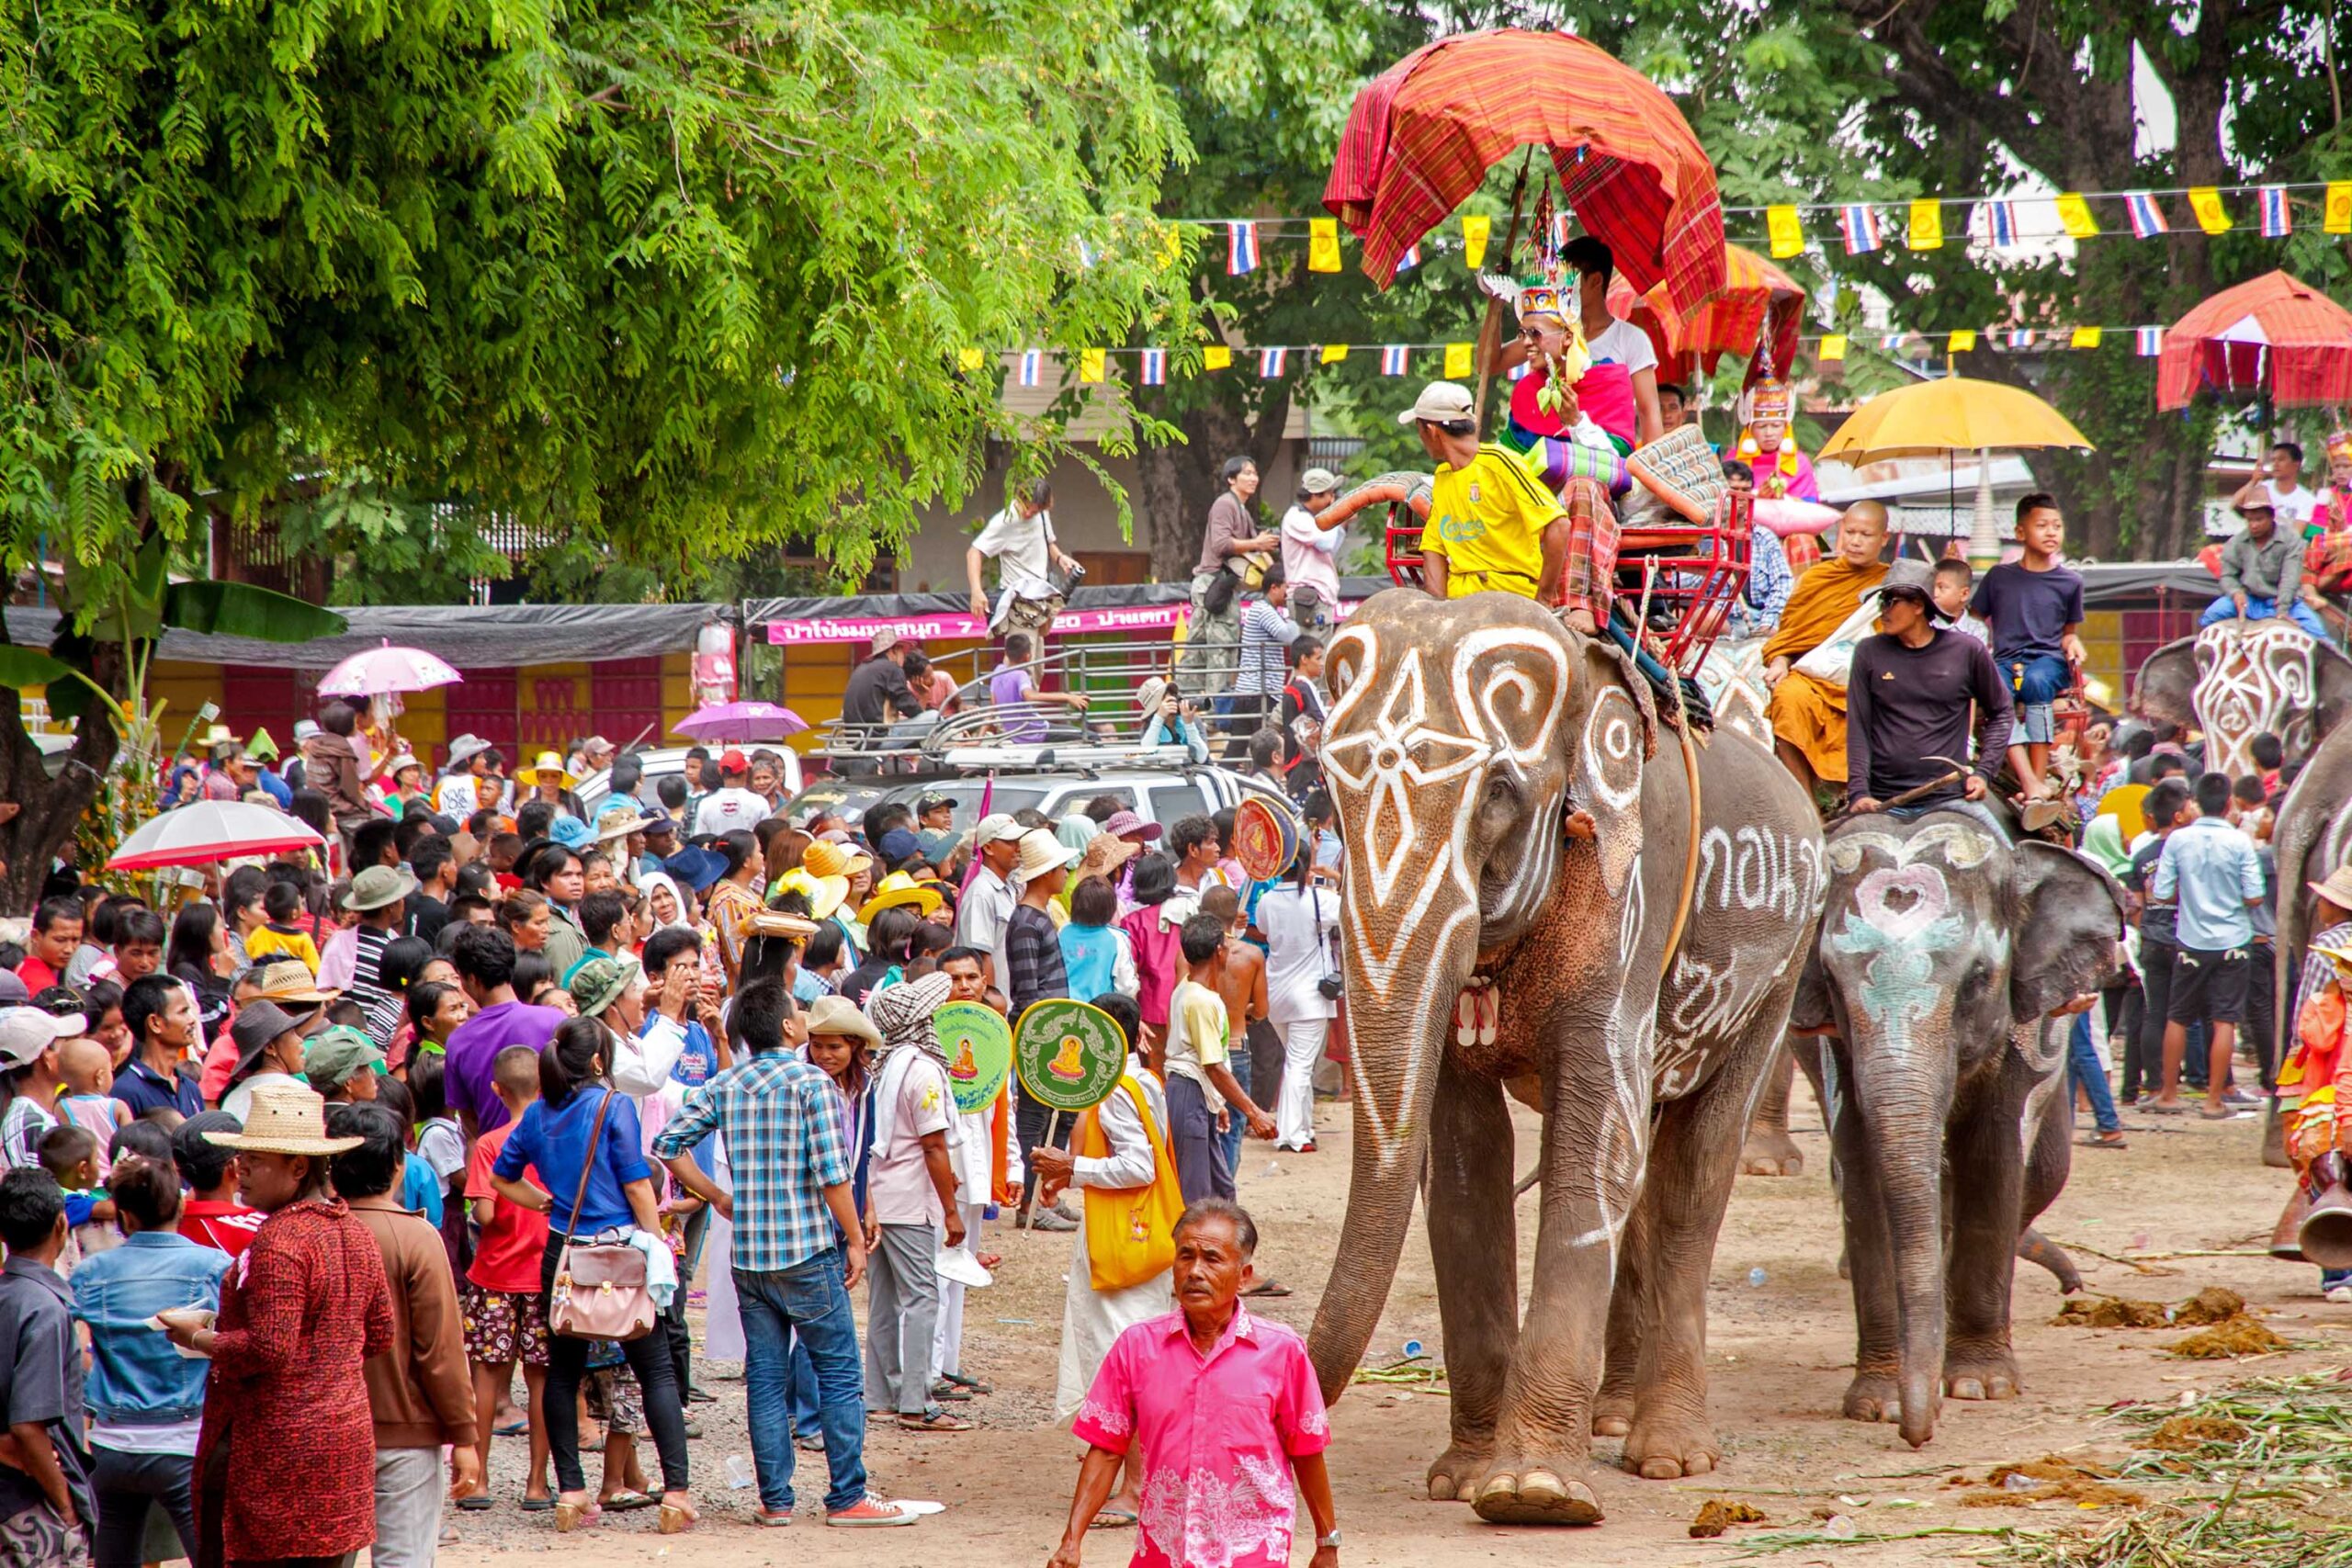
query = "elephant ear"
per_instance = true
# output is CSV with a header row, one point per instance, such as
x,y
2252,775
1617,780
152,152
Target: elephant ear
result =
x,y
2166,685
2068,928
1610,736
2332,679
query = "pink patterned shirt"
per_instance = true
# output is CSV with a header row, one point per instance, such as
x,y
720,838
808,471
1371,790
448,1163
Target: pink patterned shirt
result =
x,y
1218,1434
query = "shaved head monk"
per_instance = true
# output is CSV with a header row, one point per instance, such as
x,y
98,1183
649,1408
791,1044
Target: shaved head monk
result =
x,y
1808,712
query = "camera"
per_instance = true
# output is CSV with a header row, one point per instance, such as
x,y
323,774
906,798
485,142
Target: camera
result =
x,y
1329,986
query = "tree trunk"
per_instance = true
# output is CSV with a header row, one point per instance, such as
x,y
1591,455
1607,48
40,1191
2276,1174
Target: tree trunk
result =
x,y
51,808
1180,481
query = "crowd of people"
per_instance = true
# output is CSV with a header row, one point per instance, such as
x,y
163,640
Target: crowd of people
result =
x,y
487,1084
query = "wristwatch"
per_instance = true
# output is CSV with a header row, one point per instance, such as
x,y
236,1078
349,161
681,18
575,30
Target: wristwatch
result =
x,y
1331,1540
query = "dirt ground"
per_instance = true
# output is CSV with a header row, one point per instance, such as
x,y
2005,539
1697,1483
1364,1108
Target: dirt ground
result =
x,y
1780,1350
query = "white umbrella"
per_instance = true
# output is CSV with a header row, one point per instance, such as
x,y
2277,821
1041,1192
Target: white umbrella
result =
x,y
383,671
211,830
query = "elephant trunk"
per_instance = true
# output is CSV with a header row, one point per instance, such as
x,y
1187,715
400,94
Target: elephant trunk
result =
x,y
1906,1109
1394,1047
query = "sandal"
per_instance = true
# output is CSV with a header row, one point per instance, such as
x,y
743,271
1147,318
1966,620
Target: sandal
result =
x,y
1109,1517
677,1518
515,1429
569,1517
973,1384
934,1421
538,1504
629,1500
2105,1140
1268,1288
475,1502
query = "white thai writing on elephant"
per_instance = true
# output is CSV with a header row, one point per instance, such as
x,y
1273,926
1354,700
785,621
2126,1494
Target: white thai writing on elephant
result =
x,y
1760,869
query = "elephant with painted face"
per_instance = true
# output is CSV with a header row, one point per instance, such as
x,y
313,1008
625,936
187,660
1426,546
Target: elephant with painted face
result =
x,y
2314,836
1533,896
2235,680
1943,982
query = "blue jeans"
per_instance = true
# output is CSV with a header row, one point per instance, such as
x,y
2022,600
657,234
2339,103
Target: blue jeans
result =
x,y
809,1302
807,1420
2036,680
2082,1067
1238,1127
2302,615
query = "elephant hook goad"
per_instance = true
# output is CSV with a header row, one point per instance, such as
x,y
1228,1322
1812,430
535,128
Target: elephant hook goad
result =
x,y
1947,962
1523,865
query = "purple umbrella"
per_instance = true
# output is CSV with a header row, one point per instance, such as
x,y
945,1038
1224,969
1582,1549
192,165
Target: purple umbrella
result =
x,y
738,722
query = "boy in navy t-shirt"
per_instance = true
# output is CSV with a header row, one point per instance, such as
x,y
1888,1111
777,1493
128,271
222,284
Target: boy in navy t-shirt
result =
x,y
2034,606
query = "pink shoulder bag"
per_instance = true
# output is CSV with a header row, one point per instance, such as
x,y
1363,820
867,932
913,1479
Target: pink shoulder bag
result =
x,y
600,1291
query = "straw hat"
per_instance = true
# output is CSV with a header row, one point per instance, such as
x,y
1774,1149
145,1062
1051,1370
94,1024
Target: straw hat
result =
x,y
1041,852
895,889
1106,854
824,858
824,893
620,821
285,1119
545,768
839,1016
776,924
2337,888
284,980
2339,956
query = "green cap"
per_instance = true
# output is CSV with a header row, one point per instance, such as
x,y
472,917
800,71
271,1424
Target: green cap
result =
x,y
600,982
337,1055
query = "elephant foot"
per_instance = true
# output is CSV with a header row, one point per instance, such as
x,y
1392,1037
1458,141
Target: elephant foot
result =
x,y
1670,1447
1770,1152
1612,1412
1454,1475
1874,1396
1529,1491
1981,1374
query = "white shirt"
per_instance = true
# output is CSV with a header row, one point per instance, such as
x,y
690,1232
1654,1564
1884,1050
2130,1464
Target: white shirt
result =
x,y
2291,505
456,797
1022,550
725,810
1307,554
1624,344
1298,925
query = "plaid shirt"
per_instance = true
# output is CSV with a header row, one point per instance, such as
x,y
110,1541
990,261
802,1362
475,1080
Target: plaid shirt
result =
x,y
784,1141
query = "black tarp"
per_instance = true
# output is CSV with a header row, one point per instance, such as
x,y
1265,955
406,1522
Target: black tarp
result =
x,y
472,636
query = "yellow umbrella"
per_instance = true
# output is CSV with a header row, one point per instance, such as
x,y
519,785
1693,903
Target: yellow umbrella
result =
x,y
1951,413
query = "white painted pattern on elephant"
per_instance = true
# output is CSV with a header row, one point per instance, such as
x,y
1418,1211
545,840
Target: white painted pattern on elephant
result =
x,y
2044,1057
1393,764
1707,1003
1899,919
1761,868
2251,677
1731,676
1962,846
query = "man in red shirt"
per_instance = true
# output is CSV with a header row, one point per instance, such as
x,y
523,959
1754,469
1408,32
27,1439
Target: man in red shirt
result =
x,y
211,1216
57,931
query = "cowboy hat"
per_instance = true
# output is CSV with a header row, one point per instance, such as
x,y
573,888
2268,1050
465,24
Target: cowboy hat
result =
x,y
1041,852
2337,888
405,759
378,886
839,1016
466,748
217,735
545,768
895,889
285,1119
824,893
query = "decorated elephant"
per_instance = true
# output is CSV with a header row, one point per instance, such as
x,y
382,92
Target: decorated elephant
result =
x,y
1545,887
1731,676
2235,680
2314,836
1942,984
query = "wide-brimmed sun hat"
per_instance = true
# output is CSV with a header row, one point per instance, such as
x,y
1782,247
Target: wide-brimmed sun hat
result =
x,y
288,979
1041,851
285,1119
2337,888
1122,822
378,886
545,768
897,889
466,748
824,893
839,1016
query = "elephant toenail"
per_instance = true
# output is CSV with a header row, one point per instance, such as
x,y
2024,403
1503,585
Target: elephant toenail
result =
x,y
1543,1486
1499,1486
1661,1469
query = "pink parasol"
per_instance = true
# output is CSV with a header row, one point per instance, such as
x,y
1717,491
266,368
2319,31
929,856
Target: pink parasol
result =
x,y
211,830
739,722
383,671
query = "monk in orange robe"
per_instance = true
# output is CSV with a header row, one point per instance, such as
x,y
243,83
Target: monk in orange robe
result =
x,y
1807,713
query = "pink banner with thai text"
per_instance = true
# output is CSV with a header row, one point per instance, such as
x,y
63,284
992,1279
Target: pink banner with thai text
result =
x,y
954,628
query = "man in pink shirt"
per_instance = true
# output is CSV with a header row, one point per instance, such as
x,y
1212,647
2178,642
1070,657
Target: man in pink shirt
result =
x,y
1226,1411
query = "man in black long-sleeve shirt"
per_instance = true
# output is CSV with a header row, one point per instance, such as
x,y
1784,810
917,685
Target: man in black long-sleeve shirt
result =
x,y
1907,700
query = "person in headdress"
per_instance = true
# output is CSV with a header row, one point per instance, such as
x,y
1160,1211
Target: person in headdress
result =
x,y
1766,446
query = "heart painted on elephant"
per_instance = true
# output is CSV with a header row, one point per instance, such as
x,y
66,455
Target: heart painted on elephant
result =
x,y
1901,901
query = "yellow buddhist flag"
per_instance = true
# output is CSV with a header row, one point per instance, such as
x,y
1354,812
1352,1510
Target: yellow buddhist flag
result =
x,y
1787,232
1322,244
1458,360
1089,364
1215,357
2335,214
1833,348
2084,338
2076,214
2211,216
1334,352
1928,227
1476,227
970,360
1963,341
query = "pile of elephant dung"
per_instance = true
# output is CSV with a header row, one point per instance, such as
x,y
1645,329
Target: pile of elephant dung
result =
x,y
2242,1334
2185,1433
1715,1516
2051,1479
2212,1304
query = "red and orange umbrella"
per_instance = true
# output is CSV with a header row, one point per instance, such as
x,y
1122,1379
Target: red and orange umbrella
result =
x,y
1423,134
1759,304
2273,331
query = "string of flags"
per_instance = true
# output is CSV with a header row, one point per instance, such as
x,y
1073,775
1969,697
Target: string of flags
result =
x,y
1861,229
1458,361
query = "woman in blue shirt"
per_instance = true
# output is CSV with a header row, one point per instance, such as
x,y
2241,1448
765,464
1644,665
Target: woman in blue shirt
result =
x,y
589,1190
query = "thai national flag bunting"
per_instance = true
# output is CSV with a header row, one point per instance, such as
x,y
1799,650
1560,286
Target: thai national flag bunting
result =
x,y
1859,222
2021,339
1240,246
2001,223
2149,341
1271,362
1031,362
1155,367
1392,359
1411,259
2276,224
2147,217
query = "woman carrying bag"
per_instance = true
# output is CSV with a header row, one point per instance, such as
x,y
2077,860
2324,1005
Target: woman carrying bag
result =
x,y
583,1138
